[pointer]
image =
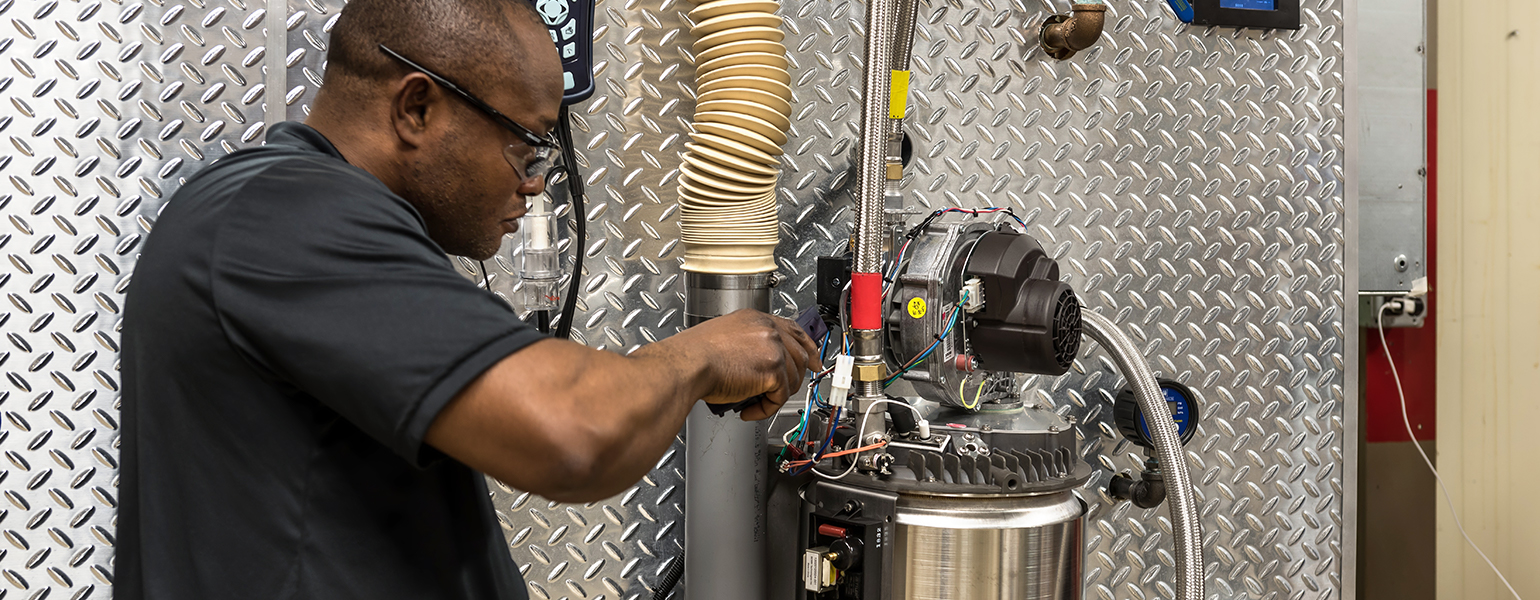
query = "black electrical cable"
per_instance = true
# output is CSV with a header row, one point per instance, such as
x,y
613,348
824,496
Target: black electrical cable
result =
x,y
484,278
915,231
670,578
580,218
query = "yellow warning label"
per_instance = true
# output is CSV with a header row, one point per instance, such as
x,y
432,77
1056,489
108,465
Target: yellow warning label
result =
x,y
898,102
917,307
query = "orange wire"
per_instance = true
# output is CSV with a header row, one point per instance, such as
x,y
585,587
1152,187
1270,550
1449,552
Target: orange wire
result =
x,y
798,463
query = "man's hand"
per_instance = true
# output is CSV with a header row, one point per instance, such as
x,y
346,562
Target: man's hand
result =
x,y
749,354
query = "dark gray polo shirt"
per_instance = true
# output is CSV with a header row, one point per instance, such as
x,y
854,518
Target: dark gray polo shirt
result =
x,y
289,335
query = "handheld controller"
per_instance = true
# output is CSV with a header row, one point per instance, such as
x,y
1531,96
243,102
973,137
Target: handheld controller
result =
x,y
571,24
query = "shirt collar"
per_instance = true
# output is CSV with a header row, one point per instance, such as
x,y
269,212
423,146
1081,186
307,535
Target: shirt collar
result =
x,y
300,135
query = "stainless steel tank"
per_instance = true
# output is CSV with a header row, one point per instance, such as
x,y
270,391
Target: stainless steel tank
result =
x,y
982,508
966,547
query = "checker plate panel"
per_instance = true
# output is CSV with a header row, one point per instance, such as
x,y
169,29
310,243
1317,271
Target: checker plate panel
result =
x,y
1189,180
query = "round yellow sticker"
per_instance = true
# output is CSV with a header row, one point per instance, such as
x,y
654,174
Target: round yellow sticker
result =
x,y
917,307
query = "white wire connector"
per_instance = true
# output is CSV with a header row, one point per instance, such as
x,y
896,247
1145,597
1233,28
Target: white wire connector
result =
x,y
973,289
924,429
844,367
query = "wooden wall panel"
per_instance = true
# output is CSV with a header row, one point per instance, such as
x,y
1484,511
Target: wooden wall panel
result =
x,y
1489,271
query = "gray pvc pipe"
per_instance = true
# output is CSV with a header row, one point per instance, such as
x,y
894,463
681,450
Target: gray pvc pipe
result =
x,y
726,469
1168,448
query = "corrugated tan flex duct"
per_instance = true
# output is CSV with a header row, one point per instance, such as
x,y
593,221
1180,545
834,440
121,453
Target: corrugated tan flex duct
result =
x,y
727,181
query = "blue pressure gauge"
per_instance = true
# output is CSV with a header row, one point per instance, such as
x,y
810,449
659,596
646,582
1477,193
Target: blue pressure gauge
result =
x,y
1184,410
1182,8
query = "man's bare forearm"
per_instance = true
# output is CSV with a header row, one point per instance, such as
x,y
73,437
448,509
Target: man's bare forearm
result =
x,y
569,422
640,431
576,424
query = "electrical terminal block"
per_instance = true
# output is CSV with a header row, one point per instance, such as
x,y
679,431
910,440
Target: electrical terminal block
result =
x,y
844,367
974,288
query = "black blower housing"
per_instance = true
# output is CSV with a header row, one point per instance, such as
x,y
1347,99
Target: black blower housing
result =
x,y
1030,322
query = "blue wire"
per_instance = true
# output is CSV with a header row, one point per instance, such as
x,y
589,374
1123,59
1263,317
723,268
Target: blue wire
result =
x,y
813,460
923,355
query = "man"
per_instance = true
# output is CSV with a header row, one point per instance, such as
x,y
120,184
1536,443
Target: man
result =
x,y
311,393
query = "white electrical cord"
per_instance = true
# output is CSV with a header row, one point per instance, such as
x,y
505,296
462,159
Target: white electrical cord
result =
x,y
864,417
916,411
1380,319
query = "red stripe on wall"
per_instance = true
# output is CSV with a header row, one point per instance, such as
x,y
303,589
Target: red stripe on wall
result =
x,y
1415,350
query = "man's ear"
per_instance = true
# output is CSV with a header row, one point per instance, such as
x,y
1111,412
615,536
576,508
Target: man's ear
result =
x,y
416,105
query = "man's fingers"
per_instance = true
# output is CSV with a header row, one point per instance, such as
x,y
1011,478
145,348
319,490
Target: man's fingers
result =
x,y
800,356
761,411
775,397
798,334
792,370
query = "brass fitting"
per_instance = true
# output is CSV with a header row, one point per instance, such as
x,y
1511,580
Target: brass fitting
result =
x,y
871,372
1063,35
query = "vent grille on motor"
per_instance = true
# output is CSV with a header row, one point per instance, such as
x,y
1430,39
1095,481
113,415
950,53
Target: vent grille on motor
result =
x,y
1066,328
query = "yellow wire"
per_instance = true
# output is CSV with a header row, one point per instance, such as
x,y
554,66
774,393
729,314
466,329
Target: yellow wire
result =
x,y
962,392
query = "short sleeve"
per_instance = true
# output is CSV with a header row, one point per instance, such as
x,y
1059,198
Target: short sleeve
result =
x,y
327,281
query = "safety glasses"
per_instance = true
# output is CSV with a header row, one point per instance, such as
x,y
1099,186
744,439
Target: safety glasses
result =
x,y
532,158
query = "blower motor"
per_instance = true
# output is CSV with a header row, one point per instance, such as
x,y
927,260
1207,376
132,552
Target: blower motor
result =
x,y
980,304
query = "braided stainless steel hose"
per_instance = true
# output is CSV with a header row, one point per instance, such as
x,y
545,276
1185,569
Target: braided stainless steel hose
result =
x,y
1188,532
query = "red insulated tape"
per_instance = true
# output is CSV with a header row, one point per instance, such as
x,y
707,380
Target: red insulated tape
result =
x,y
866,301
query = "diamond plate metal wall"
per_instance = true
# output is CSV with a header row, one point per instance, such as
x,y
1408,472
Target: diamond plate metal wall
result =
x,y
108,105
1190,180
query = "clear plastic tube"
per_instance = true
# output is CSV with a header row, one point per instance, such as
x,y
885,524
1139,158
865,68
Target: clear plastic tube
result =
x,y
540,260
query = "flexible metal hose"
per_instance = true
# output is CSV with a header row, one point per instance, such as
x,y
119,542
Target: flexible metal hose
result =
x,y
903,47
871,174
1168,448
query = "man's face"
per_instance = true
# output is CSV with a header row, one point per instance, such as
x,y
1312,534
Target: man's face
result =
x,y
469,193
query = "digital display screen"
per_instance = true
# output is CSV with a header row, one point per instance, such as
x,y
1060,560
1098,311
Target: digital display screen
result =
x,y
1250,4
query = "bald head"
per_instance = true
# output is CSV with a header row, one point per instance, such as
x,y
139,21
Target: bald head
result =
x,y
473,42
